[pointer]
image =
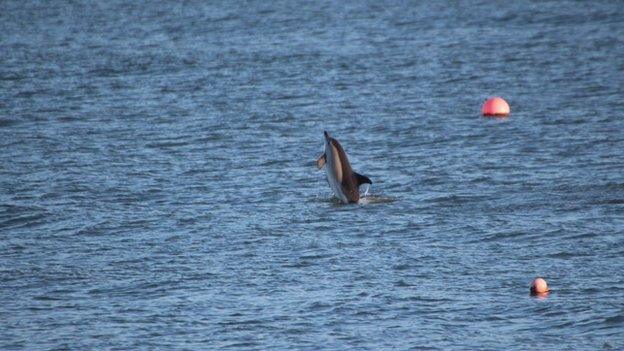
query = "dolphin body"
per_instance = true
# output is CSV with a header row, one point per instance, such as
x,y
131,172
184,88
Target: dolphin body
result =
x,y
340,176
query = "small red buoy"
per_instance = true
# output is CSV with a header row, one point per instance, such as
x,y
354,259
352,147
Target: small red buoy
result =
x,y
496,107
539,287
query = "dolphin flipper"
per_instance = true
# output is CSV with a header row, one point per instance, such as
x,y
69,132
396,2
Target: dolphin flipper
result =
x,y
361,179
320,162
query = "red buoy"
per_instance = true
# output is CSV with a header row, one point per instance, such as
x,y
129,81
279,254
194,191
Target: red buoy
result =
x,y
496,107
539,287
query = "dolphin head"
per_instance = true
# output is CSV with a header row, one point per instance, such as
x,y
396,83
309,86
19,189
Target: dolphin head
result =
x,y
328,141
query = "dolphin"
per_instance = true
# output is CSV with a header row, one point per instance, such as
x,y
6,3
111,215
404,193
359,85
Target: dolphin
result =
x,y
341,178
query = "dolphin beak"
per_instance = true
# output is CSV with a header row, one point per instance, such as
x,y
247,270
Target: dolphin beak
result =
x,y
326,135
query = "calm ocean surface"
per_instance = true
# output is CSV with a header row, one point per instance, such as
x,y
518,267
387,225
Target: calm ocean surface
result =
x,y
158,187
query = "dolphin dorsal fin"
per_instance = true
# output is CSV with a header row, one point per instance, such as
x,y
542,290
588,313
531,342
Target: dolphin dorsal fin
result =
x,y
320,162
361,179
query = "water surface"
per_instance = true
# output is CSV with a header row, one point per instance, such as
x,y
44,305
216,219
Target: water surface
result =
x,y
158,187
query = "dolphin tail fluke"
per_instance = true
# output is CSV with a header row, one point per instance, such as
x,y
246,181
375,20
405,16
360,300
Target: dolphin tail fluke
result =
x,y
320,162
361,179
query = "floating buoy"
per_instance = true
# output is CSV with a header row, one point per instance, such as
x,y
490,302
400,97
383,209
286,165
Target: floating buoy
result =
x,y
496,107
539,287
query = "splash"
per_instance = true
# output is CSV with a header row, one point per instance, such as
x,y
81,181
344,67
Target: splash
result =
x,y
366,191
364,199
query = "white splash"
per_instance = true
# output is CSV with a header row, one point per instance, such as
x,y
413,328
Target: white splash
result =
x,y
363,198
366,191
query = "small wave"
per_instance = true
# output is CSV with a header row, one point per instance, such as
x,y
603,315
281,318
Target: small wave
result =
x,y
5,122
566,255
317,306
169,144
609,202
456,199
402,284
615,320
376,199
12,216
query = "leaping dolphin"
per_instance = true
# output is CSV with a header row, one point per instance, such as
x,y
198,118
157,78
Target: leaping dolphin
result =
x,y
341,178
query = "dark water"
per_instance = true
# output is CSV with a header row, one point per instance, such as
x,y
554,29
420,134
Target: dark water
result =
x,y
158,188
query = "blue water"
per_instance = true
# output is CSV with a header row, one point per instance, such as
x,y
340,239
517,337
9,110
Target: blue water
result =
x,y
158,188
